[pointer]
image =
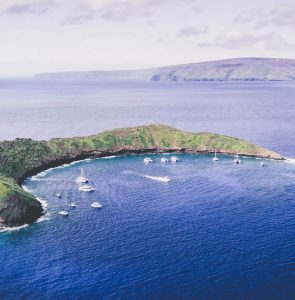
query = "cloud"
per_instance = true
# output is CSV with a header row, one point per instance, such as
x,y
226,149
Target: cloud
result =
x,y
270,41
193,31
37,7
205,45
236,39
283,15
122,10
248,16
279,16
78,19
197,10
278,43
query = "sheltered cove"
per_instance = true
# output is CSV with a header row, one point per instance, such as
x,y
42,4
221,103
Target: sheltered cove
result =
x,y
22,158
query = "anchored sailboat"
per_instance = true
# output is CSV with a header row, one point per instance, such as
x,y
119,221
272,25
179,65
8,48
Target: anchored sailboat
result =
x,y
81,178
215,158
237,159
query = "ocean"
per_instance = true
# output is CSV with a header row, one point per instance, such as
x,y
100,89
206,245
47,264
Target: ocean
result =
x,y
215,231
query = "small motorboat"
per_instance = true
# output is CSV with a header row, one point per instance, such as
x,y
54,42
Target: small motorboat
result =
x,y
58,195
81,178
262,164
174,159
164,160
86,188
215,158
63,213
96,205
147,160
72,204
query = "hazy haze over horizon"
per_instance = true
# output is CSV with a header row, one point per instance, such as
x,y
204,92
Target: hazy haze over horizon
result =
x,y
59,35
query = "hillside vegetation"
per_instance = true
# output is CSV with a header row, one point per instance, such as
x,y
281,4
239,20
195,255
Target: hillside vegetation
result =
x,y
23,157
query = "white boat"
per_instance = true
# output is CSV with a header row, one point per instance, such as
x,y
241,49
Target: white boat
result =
x,y
262,164
237,160
215,158
147,160
174,159
86,188
96,205
159,178
63,213
164,160
81,178
58,195
72,204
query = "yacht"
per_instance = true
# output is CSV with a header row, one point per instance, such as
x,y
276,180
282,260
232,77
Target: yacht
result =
x,y
174,159
96,205
164,160
262,164
147,160
58,195
81,178
215,158
72,204
86,188
63,213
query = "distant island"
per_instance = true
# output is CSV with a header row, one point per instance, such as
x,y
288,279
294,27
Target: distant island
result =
x,y
21,158
237,69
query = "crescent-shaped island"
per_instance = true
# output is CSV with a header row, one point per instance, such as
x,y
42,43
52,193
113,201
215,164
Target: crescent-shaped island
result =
x,y
22,158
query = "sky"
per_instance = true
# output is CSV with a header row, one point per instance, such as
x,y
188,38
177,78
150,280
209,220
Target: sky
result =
x,y
68,35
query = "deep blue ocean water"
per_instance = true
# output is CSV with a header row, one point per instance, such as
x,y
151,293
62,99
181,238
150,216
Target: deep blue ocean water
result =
x,y
216,231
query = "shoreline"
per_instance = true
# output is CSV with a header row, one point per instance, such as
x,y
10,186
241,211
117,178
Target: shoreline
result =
x,y
124,152
23,158
60,163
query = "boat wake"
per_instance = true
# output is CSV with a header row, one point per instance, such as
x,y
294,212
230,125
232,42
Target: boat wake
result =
x,y
157,178
290,161
109,157
11,229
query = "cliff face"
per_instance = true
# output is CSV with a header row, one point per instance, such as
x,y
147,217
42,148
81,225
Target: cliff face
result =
x,y
239,69
23,157
17,207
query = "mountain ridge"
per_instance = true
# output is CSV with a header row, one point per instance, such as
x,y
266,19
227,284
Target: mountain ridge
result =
x,y
233,69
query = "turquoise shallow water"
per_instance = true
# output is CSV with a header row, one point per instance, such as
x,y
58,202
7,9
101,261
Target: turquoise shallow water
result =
x,y
216,231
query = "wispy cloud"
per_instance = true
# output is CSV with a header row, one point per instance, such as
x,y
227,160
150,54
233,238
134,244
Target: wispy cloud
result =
x,y
36,7
283,15
122,10
237,39
193,31
278,43
247,16
197,10
260,18
78,19
269,40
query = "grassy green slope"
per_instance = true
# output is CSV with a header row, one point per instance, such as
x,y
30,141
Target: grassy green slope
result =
x,y
21,156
